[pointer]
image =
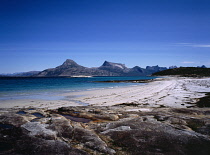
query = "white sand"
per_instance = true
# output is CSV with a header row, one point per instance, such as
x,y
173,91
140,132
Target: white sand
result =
x,y
30,103
172,92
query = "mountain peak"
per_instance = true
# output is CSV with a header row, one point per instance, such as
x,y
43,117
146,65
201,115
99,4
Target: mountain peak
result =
x,y
70,62
112,64
106,63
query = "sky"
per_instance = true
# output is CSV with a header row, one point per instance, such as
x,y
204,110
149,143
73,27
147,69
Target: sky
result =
x,y
41,34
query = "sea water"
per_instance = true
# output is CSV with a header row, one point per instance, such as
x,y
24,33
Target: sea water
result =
x,y
50,88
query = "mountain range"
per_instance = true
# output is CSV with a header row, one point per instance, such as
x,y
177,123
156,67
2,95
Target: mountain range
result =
x,y
71,68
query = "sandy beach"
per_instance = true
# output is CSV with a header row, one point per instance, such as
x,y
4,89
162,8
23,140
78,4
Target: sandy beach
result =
x,y
145,119
172,92
169,92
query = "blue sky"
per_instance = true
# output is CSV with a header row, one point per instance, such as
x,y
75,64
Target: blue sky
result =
x,y
40,34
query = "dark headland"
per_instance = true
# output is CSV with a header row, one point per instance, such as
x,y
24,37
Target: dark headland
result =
x,y
185,72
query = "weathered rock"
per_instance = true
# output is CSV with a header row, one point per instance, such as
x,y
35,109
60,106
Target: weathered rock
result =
x,y
110,117
13,119
139,137
204,129
16,140
30,145
91,140
113,130
39,130
174,120
63,128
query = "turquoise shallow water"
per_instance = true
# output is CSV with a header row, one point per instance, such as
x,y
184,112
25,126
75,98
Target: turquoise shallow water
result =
x,y
50,88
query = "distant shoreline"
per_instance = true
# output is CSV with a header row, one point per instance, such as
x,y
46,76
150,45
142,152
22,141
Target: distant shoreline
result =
x,y
127,81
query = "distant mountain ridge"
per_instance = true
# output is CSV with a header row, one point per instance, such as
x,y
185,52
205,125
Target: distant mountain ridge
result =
x,y
71,68
21,74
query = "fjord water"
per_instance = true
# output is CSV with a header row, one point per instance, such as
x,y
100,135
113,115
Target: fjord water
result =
x,y
49,88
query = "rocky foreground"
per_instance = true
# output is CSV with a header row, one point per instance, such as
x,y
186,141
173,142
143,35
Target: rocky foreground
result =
x,y
121,129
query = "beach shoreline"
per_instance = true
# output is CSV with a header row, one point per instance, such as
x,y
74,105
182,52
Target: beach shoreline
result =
x,y
176,92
